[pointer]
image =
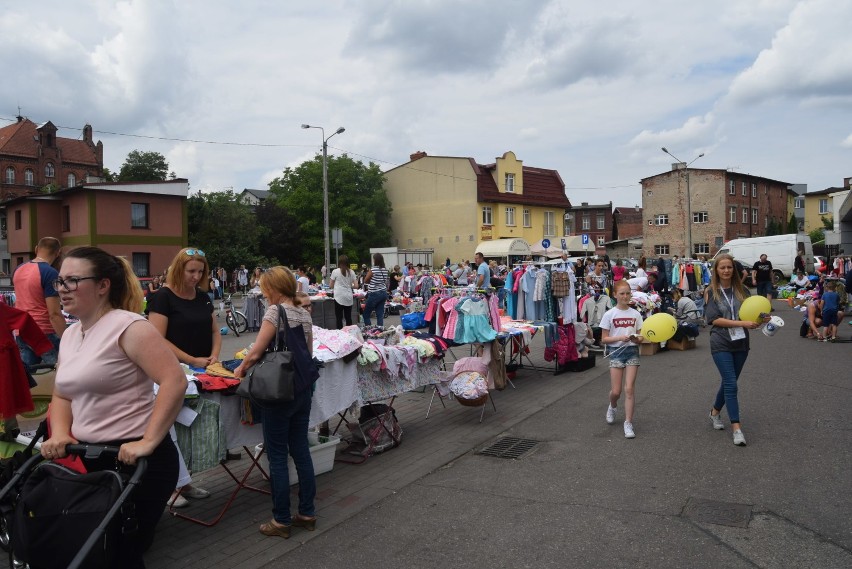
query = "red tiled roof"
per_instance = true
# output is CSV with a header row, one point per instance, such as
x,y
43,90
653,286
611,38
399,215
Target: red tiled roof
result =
x,y
21,139
541,187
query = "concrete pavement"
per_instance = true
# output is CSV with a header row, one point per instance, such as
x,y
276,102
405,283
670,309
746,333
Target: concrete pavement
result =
x,y
585,496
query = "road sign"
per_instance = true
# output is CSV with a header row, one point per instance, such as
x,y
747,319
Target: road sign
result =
x,y
564,245
586,241
545,243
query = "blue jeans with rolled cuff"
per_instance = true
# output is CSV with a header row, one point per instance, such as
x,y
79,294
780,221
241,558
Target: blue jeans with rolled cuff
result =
x,y
375,301
730,365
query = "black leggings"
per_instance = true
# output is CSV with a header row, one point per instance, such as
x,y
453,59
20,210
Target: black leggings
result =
x,y
342,312
149,497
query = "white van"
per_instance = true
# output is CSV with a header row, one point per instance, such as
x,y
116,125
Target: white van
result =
x,y
781,251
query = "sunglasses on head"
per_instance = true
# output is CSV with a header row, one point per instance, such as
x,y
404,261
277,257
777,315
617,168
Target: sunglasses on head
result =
x,y
194,252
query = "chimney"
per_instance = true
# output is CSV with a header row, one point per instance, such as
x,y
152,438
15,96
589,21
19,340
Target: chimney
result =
x,y
87,133
584,203
678,166
418,155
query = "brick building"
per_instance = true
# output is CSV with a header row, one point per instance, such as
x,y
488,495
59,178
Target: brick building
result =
x,y
724,205
628,222
32,157
146,222
593,220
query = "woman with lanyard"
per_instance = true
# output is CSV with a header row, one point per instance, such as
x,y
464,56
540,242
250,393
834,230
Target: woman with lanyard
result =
x,y
377,290
729,342
597,279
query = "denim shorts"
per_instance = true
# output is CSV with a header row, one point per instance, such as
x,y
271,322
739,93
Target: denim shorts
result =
x,y
623,357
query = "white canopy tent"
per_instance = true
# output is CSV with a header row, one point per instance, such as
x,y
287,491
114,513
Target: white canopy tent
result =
x,y
504,248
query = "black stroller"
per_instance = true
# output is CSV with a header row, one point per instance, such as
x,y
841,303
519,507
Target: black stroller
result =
x,y
52,516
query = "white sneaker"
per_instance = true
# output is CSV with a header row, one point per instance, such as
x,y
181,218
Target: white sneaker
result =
x,y
717,422
195,492
610,414
628,431
739,438
178,501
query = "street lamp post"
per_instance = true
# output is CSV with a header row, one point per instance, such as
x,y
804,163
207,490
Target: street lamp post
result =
x,y
325,228
689,250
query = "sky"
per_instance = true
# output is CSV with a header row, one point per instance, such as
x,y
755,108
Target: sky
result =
x,y
590,89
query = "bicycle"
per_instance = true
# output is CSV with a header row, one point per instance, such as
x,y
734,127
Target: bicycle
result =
x,y
235,319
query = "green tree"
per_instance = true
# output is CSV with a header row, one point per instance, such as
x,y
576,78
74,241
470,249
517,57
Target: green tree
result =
x,y
358,204
279,235
108,176
224,228
827,222
793,225
817,235
144,167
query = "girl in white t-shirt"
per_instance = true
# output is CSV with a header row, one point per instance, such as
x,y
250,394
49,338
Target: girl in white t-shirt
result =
x,y
620,328
343,280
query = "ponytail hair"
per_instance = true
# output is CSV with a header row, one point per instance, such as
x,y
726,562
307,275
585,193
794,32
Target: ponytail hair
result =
x,y
124,290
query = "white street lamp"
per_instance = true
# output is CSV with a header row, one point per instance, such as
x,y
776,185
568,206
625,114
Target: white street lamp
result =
x,y
325,228
689,250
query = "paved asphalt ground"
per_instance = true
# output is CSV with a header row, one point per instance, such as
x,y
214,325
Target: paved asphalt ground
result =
x,y
585,496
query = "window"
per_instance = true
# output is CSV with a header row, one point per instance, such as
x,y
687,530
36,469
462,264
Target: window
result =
x,y
549,225
661,249
486,216
754,216
702,248
510,216
601,221
586,222
29,179
601,240
731,189
66,218
72,180
799,203
700,217
10,175
732,214
745,189
754,190
48,170
745,215
139,215
142,264
527,218
510,183
823,206
661,219
18,222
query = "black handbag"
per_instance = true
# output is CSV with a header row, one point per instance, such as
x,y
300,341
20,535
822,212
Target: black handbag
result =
x,y
272,379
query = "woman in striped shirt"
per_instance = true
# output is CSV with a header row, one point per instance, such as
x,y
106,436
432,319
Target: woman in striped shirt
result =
x,y
377,290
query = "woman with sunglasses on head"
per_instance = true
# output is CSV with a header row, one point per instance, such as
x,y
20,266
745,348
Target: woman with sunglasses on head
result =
x,y
183,313
108,364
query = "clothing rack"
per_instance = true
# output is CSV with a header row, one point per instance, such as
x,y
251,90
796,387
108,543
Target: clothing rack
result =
x,y
8,297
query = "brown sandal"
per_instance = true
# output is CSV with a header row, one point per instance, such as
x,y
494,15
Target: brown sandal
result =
x,y
306,522
274,529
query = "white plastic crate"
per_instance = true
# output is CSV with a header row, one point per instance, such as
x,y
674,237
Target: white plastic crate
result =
x,y
322,455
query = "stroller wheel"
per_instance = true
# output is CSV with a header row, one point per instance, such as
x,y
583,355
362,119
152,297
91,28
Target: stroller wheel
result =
x,y
4,533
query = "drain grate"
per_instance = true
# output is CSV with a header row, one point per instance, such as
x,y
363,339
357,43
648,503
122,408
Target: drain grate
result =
x,y
509,447
719,513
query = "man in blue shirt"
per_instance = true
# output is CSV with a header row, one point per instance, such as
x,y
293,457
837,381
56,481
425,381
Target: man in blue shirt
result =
x,y
483,273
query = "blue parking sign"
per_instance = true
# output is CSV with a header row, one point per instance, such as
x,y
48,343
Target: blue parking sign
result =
x,y
585,238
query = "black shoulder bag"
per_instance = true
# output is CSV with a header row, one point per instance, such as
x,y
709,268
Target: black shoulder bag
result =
x,y
272,380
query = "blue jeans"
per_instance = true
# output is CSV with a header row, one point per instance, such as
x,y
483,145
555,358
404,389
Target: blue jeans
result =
x,y
31,359
375,301
285,430
730,365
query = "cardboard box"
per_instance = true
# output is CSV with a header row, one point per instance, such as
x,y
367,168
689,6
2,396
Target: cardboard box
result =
x,y
685,344
647,348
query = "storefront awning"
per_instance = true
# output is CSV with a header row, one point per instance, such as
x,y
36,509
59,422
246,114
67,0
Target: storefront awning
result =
x,y
503,248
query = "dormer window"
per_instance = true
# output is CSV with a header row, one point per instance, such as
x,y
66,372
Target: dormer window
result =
x,y
510,183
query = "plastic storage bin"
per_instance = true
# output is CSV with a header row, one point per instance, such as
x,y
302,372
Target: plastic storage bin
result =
x,y
322,455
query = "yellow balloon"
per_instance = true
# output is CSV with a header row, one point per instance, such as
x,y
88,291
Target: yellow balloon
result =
x,y
753,306
659,327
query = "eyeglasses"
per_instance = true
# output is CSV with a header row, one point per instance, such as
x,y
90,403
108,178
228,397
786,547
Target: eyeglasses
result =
x,y
71,283
193,252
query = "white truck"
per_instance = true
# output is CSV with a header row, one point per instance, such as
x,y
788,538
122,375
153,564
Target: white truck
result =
x,y
780,250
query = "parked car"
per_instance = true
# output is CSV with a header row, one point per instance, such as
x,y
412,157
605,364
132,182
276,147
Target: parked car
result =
x,y
820,264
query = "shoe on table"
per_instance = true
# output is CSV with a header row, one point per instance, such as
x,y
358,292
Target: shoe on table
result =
x,y
717,422
195,492
628,431
610,414
739,438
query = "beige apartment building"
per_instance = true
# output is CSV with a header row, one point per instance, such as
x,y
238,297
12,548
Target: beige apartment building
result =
x,y
723,205
451,204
